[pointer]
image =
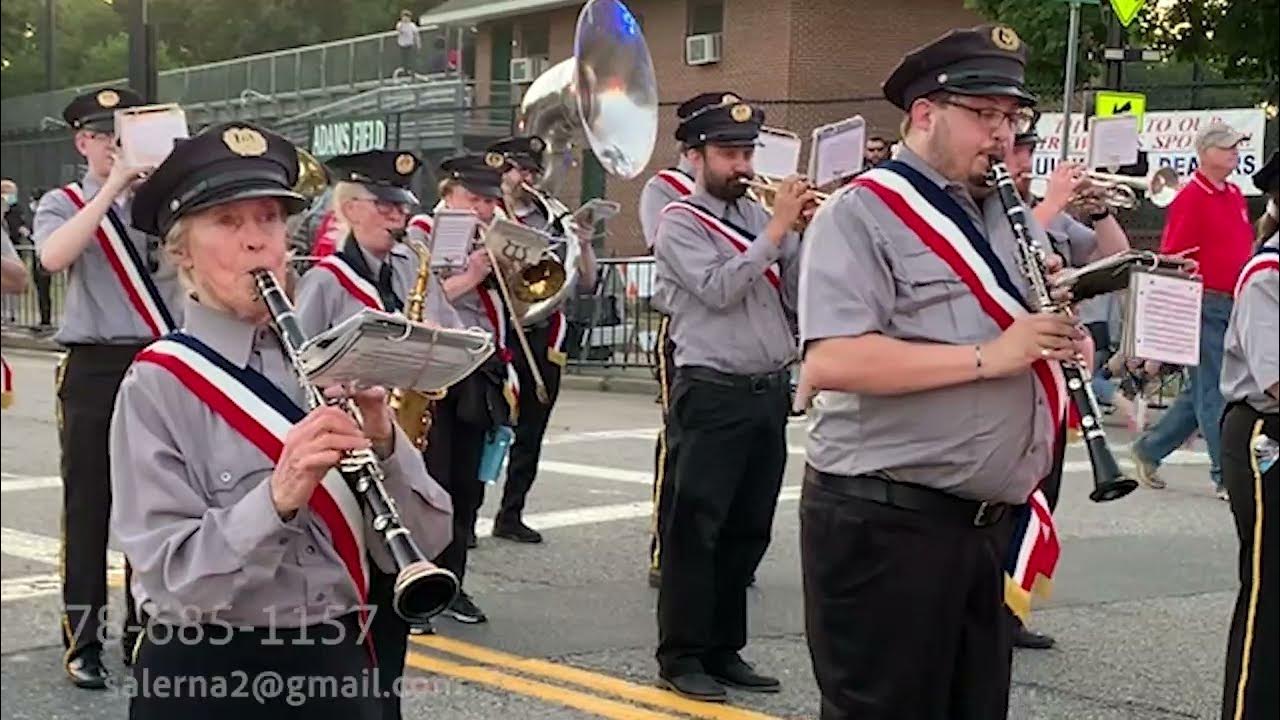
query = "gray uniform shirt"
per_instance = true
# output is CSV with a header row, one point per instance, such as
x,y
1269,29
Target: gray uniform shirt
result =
x,y
1251,357
865,272
323,302
725,314
655,195
192,503
96,309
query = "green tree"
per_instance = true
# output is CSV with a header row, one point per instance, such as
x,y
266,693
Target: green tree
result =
x,y
1237,38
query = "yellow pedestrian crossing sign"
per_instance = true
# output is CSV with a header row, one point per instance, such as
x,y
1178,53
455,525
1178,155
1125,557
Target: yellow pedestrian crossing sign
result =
x,y
1127,10
1111,102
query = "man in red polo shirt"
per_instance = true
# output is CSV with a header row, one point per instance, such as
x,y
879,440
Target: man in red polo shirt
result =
x,y
1210,219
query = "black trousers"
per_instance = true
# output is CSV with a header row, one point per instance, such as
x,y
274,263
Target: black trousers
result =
x,y
904,611
390,634
730,444
1253,645
199,672
87,382
663,458
522,463
453,459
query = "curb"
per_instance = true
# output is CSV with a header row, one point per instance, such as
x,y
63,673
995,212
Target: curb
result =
x,y
19,341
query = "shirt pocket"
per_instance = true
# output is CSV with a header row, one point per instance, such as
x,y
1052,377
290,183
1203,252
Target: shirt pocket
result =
x,y
928,291
225,483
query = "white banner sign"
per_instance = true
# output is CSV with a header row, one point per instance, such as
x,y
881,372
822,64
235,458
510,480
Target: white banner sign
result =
x,y
1168,137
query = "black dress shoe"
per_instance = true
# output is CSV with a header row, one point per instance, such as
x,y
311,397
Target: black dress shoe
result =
x,y
655,578
695,686
517,531
86,670
738,674
423,628
471,541
1024,638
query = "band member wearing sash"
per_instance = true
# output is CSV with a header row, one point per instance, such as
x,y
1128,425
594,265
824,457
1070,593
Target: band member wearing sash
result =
x,y
251,554
939,404
1250,431
726,272
524,156
673,183
120,295
485,399
372,270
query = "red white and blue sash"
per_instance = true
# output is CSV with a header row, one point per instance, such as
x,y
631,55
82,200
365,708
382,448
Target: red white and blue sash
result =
x,y
730,233
946,229
491,300
128,266
258,410
1266,259
422,223
678,180
6,383
555,338
350,280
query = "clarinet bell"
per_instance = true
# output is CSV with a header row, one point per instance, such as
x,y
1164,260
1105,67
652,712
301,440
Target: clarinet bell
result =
x,y
422,591
1108,482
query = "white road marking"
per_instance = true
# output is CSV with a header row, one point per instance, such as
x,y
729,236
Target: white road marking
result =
x,y
650,433
43,549
598,472
16,483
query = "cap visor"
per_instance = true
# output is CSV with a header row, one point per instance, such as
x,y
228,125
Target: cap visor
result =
x,y
998,89
493,191
388,193
293,202
747,138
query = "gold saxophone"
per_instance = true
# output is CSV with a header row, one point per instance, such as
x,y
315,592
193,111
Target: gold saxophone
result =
x,y
413,407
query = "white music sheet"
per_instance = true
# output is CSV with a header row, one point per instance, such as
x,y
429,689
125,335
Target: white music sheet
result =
x,y
451,235
1165,318
1113,141
777,154
147,134
837,150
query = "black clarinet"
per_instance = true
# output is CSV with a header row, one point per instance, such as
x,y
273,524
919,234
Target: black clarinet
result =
x,y
1109,483
422,590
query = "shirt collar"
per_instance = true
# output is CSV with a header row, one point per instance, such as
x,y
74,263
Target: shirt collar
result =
x,y
224,333
370,260
684,166
957,190
1207,185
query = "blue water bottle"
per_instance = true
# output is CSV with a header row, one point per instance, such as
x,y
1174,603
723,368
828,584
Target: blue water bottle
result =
x,y
496,443
1266,450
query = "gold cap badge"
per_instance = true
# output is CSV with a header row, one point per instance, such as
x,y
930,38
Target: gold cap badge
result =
x,y
494,160
405,163
1005,38
535,144
108,98
245,142
740,113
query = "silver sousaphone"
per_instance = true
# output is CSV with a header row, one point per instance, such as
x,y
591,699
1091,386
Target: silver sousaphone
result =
x,y
605,94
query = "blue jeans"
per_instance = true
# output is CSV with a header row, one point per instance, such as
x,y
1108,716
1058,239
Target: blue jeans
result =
x,y
1200,402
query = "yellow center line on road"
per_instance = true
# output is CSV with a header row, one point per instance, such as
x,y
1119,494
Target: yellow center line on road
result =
x,y
592,680
534,689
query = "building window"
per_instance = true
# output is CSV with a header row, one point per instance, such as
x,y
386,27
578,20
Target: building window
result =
x,y
705,16
535,37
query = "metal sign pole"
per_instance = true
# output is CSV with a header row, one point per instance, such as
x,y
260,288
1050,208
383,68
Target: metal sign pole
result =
x,y
1069,85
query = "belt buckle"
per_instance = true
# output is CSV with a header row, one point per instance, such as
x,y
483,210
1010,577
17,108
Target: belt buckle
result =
x,y
759,383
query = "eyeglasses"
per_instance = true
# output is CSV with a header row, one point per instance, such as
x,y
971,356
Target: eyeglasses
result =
x,y
1019,120
386,207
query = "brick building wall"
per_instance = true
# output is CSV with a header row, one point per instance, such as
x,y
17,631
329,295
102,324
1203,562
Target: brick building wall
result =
x,y
807,62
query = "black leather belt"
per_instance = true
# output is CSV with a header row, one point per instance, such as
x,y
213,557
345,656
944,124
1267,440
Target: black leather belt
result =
x,y
911,497
752,383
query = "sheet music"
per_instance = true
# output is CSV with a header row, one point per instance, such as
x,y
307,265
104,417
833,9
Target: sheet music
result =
x,y
147,134
516,243
1165,318
777,154
451,235
596,210
373,349
837,150
1113,141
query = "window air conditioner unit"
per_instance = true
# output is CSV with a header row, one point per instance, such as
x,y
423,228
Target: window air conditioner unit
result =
x,y
702,49
526,69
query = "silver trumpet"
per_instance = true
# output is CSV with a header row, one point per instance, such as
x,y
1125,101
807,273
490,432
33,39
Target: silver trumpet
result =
x,y
1124,192
422,590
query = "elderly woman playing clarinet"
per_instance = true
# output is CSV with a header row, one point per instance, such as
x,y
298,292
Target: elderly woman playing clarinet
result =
x,y
251,555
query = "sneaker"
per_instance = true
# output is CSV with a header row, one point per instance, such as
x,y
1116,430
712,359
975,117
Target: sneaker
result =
x,y
1146,472
464,610
422,628
1221,494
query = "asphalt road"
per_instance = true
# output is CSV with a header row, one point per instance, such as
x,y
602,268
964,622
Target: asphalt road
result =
x,y
1140,608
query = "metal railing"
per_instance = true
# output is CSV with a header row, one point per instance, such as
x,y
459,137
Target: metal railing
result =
x,y
287,81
